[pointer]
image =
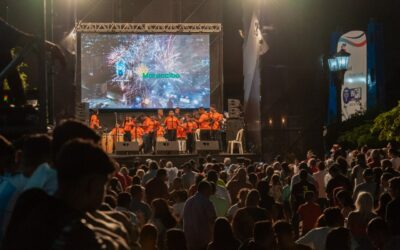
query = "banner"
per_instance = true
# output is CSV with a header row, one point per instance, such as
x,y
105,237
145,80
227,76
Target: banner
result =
x,y
354,89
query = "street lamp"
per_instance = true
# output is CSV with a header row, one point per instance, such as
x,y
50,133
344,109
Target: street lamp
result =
x,y
339,64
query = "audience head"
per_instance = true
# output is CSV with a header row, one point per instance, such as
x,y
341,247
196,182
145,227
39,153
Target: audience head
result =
x,y
69,130
222,232
212,176
162,174
36,150
242,195
394,187
83,171
253,198
303,175
263,234
153,165
136,192
333,217
364,202
344,199
175,239
368,174
378,232
124,200
162,212
148,237
204,188
338,238
284,233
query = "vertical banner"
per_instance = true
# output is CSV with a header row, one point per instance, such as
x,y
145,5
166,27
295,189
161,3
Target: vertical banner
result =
x,y
354,89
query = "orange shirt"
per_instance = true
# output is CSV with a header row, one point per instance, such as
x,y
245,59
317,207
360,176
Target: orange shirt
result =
x,y
128,125
121,131
160,131
190,127
181,131
217,118
94,122
148,125
136,131
171,122
204,121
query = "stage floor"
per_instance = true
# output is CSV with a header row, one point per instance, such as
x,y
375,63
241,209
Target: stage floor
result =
x,y
179,159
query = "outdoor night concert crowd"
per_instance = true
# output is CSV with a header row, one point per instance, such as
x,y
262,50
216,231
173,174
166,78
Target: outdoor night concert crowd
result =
x,y
147,129
62,191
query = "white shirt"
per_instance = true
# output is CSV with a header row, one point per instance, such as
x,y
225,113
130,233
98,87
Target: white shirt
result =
x,y
319,177
316,238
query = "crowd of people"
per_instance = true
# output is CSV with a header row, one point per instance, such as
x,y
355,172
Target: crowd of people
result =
x,y
62,191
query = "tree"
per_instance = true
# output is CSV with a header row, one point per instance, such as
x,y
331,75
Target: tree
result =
x,y
387,125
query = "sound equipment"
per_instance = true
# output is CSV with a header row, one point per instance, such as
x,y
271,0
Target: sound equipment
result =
x,y
206,147
82,112
234,108
129,147
167,147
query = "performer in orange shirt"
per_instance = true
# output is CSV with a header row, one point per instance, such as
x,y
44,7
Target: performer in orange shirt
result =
x,y
137,135
171,123
118,133
94,120
160,133
204,124
149,133
216,119
128,124
190,127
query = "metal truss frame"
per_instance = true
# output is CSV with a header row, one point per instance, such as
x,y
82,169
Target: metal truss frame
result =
x,y
149,27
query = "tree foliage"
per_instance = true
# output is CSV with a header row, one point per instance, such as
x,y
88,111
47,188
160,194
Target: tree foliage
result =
x,y
387,125
359,136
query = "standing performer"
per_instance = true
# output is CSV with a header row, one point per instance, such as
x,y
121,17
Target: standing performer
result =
x,y
171,122
190,127
128,125
137,135
177,113
216,119
149,134
181,135
118,133
94,120
204,124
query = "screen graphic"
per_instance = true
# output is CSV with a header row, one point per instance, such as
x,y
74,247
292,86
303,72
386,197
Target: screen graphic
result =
x,y
145,71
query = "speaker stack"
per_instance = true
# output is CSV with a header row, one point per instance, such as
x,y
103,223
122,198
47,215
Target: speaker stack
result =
x,y
207,147
167,147
126,148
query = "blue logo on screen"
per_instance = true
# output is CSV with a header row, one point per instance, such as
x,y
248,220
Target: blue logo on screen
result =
x,y
120,68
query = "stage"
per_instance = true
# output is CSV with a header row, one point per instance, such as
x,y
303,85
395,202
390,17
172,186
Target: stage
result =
x,y
179,159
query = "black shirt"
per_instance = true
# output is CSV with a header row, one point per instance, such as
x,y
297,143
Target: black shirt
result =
x,y
393,216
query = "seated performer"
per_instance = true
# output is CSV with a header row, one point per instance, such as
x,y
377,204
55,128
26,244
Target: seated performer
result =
x,y
94,120
149,134
118,133
171,123
190,127
160,133
204,124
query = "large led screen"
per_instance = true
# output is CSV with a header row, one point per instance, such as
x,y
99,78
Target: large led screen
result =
x,y
145,71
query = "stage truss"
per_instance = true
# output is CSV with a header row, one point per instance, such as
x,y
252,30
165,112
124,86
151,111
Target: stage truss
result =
x,y
149,27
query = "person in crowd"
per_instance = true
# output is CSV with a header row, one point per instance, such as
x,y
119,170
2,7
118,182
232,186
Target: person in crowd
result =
x,y
309,212
299,189
312,165
263,237
393,208
356,173
245,218
127,179
380,236
175,187
176,240
316,238
172,172
393,155
148,237
345,202
198,218
83,169
221,191
266,200
188,176
156,187
383,201
238,181
338,180
149,127
151,173
358,219
374,161
387,167
276,188
221,205
319,177
223,237
368,185
162,219
240,204
35,154
123,205
285,237
180,199
171,123
338,238
137,206
296,178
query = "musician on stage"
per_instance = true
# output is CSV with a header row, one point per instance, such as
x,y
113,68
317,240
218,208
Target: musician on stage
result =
x,y
94,120
178,113
128,125
204,124
181,135
118,133
190,126
216,119
171,123
137,135
149,134
160,133
160,115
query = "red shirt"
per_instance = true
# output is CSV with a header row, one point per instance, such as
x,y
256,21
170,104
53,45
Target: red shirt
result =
x,y
309,213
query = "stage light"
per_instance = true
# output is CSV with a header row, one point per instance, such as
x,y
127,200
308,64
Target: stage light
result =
x,y
270,122
283,120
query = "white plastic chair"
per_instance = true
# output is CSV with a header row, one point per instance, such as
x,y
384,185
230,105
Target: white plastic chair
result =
x,y
197,135
237,141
